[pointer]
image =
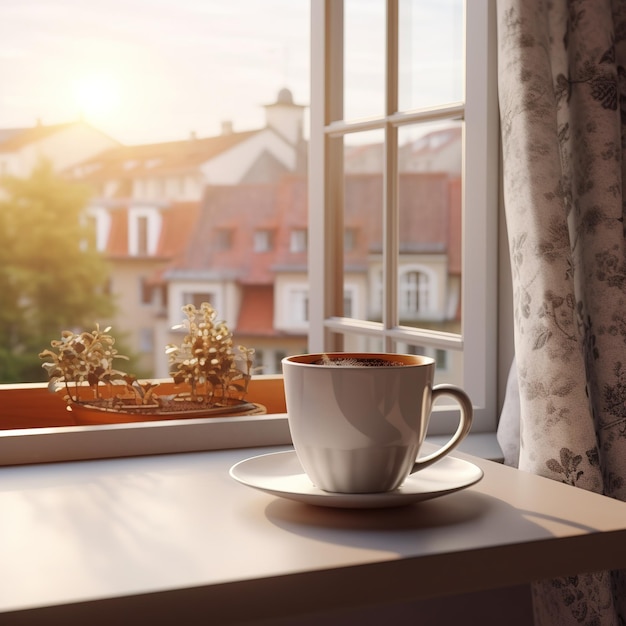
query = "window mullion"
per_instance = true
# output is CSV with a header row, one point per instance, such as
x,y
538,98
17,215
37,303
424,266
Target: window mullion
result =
x,y
326,169
390,178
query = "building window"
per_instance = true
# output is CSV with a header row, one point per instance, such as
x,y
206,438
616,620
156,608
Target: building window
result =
x,y
144,224
98,223
299,306
414,292
142,235
145,291
146,340
263,240
441,358
348,301
279,355
349,239
198,298
298,240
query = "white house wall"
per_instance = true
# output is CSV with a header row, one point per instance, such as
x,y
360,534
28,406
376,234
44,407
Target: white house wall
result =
x,y
224,300
285,286
231,166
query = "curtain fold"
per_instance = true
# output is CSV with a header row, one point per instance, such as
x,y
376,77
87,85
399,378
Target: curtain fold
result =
x,y
562,90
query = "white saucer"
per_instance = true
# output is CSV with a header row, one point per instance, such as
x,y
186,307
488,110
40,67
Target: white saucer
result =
x,y
280,474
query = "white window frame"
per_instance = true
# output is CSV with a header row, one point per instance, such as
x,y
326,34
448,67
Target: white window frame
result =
x,y
479,112
298,304
102,219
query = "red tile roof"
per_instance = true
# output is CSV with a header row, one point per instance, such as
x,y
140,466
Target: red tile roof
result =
x,y
428,224
178,222
244,209
12,139
175,156
15,138
117,243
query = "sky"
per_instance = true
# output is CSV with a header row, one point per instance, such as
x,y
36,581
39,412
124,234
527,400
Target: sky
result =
x,y
156,70
150,70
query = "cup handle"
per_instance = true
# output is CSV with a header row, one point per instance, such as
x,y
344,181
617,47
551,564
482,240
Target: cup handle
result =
x,y
465,423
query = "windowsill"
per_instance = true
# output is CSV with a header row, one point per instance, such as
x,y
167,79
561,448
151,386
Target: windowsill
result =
x,y
78,443
35,428
47,438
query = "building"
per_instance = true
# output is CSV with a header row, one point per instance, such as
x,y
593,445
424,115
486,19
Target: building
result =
x,y
64,145
147,201
224,219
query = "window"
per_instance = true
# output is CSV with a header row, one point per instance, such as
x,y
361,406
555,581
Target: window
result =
x,y
279,355
348,300
198,298
143,230
145,292
406,128
99,221
432,107
413,293
263,240
146,340
299,306
298,240
418,296
349,239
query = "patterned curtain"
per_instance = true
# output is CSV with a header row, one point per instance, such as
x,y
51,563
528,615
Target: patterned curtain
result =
x,y
562,89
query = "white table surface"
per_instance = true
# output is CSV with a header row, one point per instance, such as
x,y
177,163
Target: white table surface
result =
x,y
175,537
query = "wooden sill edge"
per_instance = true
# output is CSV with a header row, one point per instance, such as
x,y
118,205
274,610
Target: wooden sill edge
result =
x,y
31,405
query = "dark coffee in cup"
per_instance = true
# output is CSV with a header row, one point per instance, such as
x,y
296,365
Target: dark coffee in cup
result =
x,y
338,361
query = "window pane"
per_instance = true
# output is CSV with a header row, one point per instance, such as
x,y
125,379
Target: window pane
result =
x,y
363,224
449,363
364,58
429,196
431,45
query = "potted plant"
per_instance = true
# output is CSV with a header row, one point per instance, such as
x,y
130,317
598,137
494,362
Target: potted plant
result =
x,y
210,376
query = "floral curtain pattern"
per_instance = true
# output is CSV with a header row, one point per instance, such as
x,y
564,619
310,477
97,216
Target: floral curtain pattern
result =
x,y
562,90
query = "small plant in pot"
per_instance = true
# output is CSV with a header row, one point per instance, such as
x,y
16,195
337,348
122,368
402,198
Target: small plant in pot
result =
x,y
210,375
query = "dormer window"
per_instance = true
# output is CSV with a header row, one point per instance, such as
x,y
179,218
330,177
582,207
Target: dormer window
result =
x,y
263,240
349,239
142,235
98,223
298,240
144,225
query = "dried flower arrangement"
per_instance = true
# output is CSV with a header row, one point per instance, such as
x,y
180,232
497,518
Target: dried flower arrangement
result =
x,y
214,376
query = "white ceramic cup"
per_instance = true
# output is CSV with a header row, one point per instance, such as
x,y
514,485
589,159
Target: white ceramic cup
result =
x,y
359,428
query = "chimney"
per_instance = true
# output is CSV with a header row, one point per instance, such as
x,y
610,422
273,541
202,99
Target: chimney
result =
x,y
227,127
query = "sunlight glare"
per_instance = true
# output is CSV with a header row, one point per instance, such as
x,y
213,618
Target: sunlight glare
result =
x,y
97,95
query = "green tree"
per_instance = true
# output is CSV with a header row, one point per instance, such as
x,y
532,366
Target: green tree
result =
x,y
51,276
